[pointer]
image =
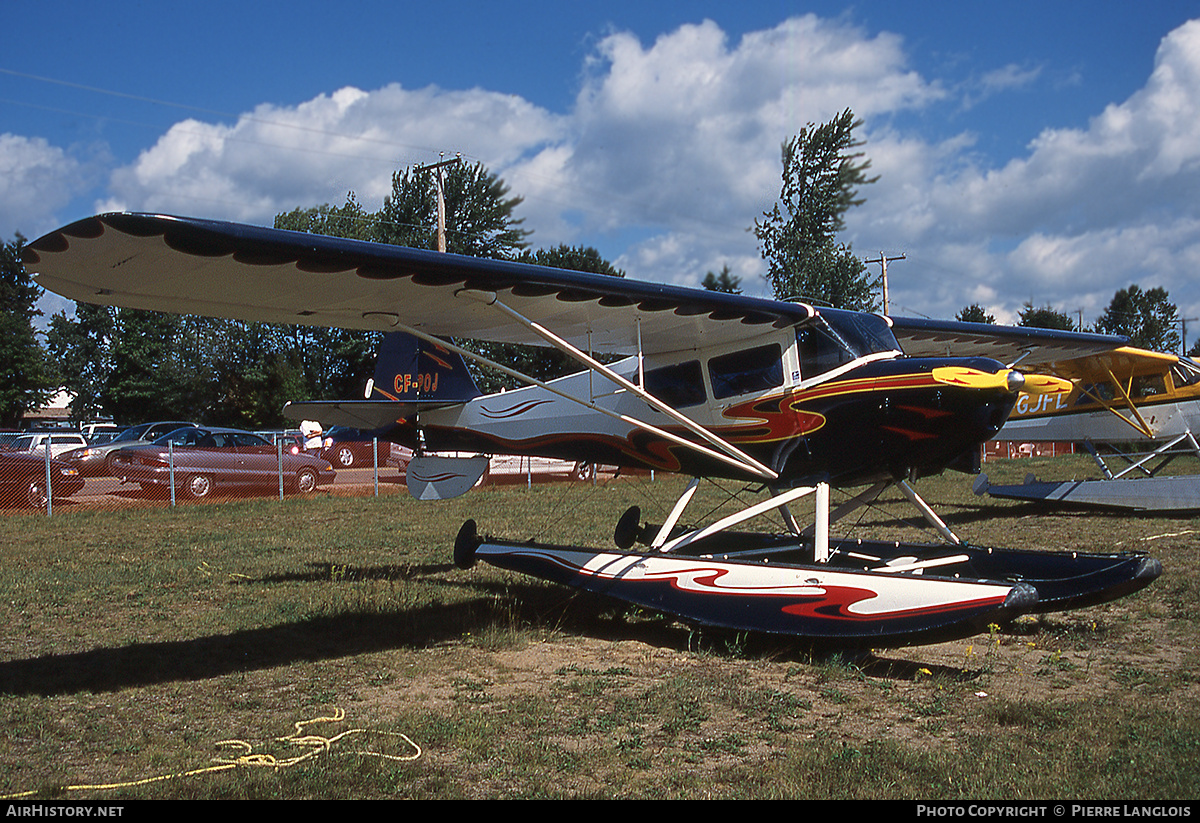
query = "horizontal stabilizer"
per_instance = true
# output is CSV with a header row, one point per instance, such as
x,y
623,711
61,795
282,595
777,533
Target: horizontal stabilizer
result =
x,y
357,414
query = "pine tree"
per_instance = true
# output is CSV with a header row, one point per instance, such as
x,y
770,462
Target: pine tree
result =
x,y
25,379
798,236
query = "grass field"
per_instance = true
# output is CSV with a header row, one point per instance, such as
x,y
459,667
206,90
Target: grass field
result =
x,y
138,644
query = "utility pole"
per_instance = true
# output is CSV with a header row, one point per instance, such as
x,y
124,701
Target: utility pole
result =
x,y
1183,321
883,260
441,205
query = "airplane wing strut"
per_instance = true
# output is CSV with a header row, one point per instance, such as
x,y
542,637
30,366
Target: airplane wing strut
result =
x,y
752,467
490,299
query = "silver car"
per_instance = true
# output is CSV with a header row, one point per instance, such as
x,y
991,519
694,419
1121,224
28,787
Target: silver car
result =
x,y
95,460
59,442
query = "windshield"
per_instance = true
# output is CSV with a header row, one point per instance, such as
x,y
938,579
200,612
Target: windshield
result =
x,y
1186,372
839,337
133,433
860,332
186,436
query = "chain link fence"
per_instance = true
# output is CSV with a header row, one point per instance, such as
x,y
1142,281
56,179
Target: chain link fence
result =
x,y
224,465
216,468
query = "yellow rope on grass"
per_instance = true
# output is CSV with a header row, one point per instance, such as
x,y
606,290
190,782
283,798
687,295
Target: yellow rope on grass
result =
x,y
316,745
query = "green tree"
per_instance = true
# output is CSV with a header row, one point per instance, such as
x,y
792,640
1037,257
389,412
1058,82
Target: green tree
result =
x,y
333,364
350,220
146,379
480,222
724,281
25,377
479,212
1148,318
541,362
255,374
975,313
575,258
1045,318
822,173
79,351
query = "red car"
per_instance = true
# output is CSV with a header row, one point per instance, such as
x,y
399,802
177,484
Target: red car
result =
x,y
23,479
345,447
202,459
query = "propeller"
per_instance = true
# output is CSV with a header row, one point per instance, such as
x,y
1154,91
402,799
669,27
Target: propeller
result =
x,y
1004,380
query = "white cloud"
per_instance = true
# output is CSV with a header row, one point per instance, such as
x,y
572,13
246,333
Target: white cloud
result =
x,y
671,150
680,136
1084,213
690,127
36,178
276,159
685,133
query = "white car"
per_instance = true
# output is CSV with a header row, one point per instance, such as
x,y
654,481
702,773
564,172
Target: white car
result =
x,y
60,442
92,431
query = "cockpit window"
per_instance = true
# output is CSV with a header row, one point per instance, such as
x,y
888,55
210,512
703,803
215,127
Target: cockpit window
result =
x,y
746,371
1185,373
1149,385
679,385
839,337
820,351
862,333
1096,393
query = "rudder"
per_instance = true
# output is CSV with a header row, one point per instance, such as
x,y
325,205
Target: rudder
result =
x,y
410,369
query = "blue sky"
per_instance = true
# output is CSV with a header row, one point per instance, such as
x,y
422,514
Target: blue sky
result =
x,y
1038,152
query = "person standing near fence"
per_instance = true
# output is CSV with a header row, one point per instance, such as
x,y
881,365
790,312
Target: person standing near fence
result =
x,y
313,435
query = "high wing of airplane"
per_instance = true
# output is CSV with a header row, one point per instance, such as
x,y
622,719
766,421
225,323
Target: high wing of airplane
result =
x,y
1139,407
706,384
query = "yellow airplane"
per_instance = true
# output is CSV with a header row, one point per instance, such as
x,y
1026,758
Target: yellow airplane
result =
x,y
1122,395
1140,407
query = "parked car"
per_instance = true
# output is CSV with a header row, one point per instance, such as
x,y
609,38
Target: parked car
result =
x,y
293,441
206,458
504,468
23,479
59,442
94,460
345,447
102,432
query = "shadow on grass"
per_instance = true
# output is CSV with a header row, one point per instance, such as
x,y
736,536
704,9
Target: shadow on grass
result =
x,y
323,637
965,514
490,605
141,664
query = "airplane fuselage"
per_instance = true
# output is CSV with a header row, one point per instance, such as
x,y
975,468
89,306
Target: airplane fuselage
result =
x,y
1151,396
876,416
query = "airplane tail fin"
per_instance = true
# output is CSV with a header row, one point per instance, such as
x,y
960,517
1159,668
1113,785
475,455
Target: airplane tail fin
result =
x,y
410,374
409,369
